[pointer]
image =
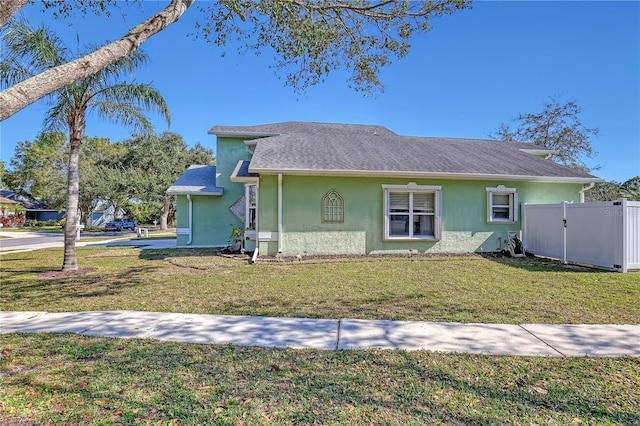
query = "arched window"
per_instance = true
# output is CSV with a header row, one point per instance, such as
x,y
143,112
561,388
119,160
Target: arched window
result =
x,y
332,207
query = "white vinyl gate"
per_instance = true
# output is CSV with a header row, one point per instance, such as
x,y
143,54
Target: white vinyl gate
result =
x,y
603,234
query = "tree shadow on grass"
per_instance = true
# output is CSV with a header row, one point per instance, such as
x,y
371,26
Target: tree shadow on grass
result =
x,y
540,264
163,254
21,285
145,381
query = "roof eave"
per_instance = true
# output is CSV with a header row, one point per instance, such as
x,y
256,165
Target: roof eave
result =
x,y
178,191
540,151
426,175
244,179
241,179
232,134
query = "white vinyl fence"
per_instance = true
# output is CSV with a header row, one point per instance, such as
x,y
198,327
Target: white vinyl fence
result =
x,y
603,234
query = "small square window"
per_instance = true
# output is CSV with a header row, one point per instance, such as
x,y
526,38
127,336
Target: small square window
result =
x,y
502,205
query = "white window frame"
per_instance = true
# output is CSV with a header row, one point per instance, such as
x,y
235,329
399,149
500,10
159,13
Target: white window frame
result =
x,y
512,206
411,188
250,232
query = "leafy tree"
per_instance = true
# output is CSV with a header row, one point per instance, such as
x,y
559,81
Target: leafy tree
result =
x,y
156,162
40,168
603,191
30,52
112,185
309,39
631,189
557,127
611,191
96,155
3,174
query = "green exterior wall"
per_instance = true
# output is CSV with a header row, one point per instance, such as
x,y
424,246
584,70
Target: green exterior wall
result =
x,y
212,218
464,212
464,215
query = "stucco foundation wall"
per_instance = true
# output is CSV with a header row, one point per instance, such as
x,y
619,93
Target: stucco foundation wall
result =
x,y
464,215
308,243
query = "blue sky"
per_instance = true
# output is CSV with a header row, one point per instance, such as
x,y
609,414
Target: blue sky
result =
x,y
474,70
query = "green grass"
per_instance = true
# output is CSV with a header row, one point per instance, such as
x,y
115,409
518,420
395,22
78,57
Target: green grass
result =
x,y
78,380
448,288
74,380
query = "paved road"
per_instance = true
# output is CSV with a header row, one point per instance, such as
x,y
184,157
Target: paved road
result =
x,y
19,241
31,239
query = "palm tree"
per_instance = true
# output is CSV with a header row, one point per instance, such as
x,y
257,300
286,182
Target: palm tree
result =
x,y
28,51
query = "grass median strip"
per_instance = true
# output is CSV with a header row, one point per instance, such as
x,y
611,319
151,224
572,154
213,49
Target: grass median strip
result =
x,y
71,379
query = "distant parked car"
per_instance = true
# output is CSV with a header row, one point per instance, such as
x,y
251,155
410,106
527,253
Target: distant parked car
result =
x,y
120,224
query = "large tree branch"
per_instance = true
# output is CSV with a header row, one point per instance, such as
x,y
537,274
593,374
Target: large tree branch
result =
x,y
27,92
9,8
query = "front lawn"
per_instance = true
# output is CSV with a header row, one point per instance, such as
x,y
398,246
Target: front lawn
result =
x,y
77,380
435,288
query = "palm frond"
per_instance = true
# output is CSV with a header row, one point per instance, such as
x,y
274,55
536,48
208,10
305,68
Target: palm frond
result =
x,y
143,96
38,49
127,114
12,71
31,50
56,117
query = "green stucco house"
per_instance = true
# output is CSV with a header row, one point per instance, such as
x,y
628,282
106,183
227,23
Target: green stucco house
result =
x,y
315,188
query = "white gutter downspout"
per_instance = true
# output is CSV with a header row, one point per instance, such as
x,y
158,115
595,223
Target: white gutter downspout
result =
x,y
279,212
190,219
586,188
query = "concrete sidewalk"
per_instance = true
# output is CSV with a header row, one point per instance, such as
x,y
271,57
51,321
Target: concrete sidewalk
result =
x,y
328,334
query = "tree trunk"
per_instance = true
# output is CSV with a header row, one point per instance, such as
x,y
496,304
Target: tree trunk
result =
x,y
70,262
76,129
9,8
86,214
166,208
28,91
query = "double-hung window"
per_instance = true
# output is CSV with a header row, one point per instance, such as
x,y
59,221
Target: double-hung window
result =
x,y
412,212
502,205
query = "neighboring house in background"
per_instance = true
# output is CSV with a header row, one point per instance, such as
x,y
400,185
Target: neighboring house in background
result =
x,y
315,188
34,210
104,213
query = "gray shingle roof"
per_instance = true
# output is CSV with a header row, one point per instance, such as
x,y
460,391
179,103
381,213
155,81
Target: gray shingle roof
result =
x,y
360,150
196,180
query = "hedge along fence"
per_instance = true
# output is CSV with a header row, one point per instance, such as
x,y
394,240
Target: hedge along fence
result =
x,y
605,235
